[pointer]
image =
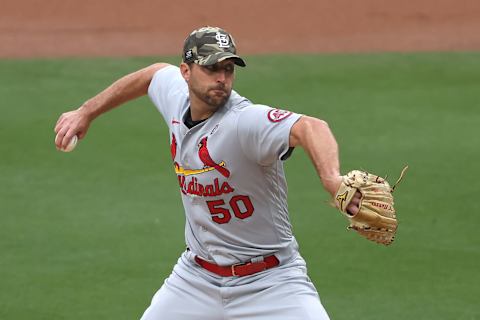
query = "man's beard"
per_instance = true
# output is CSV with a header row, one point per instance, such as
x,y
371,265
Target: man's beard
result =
x,y
213,99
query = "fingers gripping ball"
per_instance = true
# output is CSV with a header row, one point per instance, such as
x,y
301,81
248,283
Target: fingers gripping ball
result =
x,y
71,145
376,219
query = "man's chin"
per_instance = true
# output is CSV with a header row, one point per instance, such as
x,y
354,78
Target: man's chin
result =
x,y
218,102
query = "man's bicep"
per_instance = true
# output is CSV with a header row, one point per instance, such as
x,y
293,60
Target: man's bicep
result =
x,y
296,132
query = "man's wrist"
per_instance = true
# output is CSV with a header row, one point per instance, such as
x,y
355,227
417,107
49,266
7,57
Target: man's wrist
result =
x,y
88,111
332,183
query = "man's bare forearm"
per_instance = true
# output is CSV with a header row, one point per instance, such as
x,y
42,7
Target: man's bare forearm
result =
x,y
317,140
77,122
127,88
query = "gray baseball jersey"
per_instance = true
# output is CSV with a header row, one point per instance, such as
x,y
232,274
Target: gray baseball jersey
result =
x,y
230,174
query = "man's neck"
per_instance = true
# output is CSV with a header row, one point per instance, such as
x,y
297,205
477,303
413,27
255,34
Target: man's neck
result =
x,y
200,110
198,115
189,122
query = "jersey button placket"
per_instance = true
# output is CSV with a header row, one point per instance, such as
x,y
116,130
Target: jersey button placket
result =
x,y
225,294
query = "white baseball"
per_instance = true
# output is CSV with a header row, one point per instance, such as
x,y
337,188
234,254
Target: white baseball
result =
x,y
71,145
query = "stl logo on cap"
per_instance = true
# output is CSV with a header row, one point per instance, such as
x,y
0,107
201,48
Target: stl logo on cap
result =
x,y
209,45
223,40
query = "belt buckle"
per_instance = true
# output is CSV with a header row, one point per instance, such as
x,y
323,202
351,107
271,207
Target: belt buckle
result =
x,y
232,267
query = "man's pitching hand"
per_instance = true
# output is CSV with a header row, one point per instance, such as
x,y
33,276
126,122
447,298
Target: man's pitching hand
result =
x,y
69,124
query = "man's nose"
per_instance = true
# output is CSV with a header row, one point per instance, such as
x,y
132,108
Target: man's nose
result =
x,y
221,76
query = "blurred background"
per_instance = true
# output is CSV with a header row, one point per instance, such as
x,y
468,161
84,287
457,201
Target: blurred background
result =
x,y
92,234
32,28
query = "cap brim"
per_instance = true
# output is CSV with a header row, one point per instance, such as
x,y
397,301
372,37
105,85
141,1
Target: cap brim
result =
x,y
221,56
236,59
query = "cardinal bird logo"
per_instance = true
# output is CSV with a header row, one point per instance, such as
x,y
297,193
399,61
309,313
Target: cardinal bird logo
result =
x,y
207,160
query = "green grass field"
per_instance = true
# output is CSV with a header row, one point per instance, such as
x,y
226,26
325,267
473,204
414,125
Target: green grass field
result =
x,y
92,234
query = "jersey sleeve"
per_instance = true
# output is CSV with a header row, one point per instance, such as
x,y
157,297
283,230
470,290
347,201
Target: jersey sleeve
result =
x,y
167,85
264,133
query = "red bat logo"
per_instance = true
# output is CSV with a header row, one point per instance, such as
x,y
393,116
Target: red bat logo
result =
x,y
204,156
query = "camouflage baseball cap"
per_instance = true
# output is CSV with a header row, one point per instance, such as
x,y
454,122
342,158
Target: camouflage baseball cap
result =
x,y
209,45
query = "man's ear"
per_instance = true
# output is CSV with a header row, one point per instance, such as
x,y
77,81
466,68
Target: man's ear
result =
x,y
185,71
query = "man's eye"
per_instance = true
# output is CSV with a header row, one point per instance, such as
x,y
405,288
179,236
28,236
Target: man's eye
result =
x,y
216,68
211,68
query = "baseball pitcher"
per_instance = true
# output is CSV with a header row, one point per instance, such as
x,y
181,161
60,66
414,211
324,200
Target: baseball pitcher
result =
x,y
242,260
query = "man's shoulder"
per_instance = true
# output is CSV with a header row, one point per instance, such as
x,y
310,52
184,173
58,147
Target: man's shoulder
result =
x,y
169,92
169,73
264,116
252,108
168,80
237,102
169,68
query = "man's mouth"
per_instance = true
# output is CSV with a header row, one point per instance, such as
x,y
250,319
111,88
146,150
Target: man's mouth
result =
x,y
219,91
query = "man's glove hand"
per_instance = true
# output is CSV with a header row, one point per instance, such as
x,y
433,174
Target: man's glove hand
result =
x,y
376,219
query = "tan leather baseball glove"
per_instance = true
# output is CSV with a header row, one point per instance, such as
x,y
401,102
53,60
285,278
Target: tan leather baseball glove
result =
x,y
376,219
